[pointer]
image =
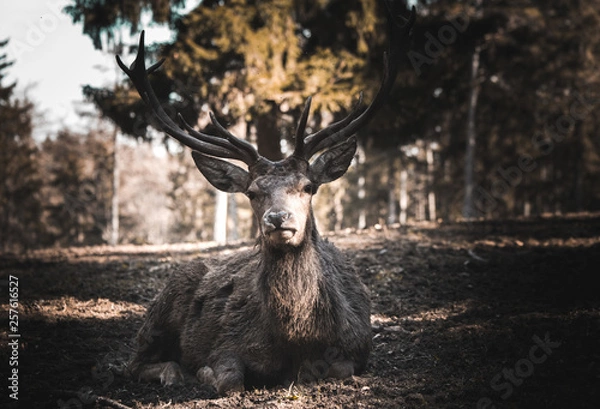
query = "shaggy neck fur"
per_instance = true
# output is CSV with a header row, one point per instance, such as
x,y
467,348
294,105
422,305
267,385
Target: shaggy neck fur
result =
x,y
292,284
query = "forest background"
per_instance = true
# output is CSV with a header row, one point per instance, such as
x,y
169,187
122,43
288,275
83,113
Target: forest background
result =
x,y
494,115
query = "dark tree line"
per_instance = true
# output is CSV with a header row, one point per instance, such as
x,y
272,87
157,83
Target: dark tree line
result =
x,y
53,192
256,61
20,178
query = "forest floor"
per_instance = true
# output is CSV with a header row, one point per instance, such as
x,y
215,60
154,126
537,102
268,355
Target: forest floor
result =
x,y
466,315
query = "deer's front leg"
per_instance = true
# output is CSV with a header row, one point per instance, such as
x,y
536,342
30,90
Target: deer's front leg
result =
x,y
341,369
168,373
226,375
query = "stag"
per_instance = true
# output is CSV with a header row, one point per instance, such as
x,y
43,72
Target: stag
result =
x,y
265,315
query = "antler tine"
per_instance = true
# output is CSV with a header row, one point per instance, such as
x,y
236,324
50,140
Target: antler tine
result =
x,y
207,144
313,142
215,140
340,131
240,144
299,148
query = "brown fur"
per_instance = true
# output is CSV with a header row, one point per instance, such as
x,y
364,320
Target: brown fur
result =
x,y
289,309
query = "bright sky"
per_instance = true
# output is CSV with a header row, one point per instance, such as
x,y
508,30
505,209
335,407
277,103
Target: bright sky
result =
x,y
53,60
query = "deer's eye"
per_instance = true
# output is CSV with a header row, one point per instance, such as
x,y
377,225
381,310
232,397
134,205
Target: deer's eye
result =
x,y
251,194
309,188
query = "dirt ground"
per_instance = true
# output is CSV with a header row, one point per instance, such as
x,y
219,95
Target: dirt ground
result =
x,y
468,315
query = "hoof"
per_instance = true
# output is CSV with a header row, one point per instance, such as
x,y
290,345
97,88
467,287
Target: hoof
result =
x,y
171,374
206,376
341,369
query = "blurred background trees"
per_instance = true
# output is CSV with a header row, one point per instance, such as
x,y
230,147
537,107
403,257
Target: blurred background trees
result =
x,y
494,115
20,176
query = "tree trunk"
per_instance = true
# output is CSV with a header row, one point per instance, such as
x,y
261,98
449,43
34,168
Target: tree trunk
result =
x,y
421,201
392,201
114,206
403,196
220,226
362,215
240,129
527,207
268,140
232,230
226,219
114,212
578,176
338,207
431,194
468,207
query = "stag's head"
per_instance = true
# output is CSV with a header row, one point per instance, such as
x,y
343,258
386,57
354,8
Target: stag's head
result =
x,y
280,192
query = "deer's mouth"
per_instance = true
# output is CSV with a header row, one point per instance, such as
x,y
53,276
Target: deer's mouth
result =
x,y
282,233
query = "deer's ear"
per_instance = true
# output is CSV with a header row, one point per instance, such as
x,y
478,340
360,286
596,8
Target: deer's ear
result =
x,y
333,163
223,175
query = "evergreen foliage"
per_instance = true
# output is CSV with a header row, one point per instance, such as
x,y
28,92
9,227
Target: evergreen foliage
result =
x,y
20,178
77,190
99,17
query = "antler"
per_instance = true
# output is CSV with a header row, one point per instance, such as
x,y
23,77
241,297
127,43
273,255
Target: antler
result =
x,y
223,145
226,145
340,131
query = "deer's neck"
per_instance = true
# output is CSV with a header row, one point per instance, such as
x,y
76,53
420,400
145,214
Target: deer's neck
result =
x,y
292,284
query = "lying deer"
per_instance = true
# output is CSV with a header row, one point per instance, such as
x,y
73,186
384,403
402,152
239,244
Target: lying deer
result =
x,y
272,313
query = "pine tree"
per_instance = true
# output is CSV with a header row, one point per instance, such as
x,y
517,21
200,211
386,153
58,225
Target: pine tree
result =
x,y
77,187
99,17
20,180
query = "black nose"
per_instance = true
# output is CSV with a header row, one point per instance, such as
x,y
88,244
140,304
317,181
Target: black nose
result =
x,y
277,218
